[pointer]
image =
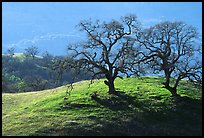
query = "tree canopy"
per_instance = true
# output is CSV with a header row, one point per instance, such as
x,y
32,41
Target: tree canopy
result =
x,y
108,50
170,47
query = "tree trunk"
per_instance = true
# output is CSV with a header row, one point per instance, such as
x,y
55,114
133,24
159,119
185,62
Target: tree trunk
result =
x,y
172,90
167,76
111,87
110,84
167,84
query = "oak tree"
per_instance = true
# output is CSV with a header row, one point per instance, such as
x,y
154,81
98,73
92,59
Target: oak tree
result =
x,y
108,50
171,47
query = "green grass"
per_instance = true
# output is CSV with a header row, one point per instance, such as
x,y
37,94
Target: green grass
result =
x,y
141,107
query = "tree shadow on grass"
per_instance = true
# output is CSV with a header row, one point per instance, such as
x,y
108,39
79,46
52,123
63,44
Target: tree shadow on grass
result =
x,y
184,119
175,116
188,104
117,101
187,100
180,116
179,105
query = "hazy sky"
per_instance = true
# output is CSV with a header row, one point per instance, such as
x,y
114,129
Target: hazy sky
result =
x,y
53,23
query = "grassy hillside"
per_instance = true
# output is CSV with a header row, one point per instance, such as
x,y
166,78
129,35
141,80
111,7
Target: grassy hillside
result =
x,y
141,107
21,56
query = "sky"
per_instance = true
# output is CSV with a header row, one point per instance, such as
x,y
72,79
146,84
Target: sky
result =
x,y
51,26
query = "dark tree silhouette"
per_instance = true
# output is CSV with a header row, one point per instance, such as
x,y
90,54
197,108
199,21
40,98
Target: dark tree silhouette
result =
x,y
171,47
108,51
11,51
31,51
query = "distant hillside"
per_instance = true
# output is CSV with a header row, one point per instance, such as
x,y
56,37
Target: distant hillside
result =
x,y
21,56
21,73
141,107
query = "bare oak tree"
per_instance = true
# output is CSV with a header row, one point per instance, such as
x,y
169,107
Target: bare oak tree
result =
x,y
170,47
31,51
108,50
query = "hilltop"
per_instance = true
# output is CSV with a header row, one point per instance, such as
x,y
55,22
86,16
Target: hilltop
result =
x,y
141,107
21,56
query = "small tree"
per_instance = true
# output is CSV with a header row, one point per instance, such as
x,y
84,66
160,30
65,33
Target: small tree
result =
x,y
107,52
170,47
31,51
10,51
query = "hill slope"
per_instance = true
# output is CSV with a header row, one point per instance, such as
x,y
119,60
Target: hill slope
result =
x,y
22,57
141,107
